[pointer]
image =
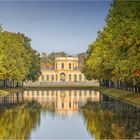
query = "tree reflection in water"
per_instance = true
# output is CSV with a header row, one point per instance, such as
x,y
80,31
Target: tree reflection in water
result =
x,y
105,124
17,123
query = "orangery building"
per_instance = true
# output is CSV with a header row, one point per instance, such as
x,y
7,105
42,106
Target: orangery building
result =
x,y
66,70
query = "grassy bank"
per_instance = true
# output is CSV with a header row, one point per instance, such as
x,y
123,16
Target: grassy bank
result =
x,y
9,91
128,96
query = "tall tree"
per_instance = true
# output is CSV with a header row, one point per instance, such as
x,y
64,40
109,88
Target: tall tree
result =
x,y
115,55
18,61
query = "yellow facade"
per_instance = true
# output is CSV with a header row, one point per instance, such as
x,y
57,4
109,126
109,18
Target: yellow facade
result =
x,y
66,70
63,100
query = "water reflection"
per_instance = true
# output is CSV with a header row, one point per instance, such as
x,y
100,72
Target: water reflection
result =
x,y
111,119
62,100
70,113
17,123
23,120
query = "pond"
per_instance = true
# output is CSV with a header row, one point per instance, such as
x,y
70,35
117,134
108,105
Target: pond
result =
x,y
67,114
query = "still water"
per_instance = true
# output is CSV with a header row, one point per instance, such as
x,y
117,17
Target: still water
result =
x,y
67,114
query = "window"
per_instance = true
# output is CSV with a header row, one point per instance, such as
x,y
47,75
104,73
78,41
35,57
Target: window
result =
x,y
69,77
85,92
69,105
70,66
62,66
47,77
75,77
42,93
32,93
52,77
56,77
90,92
37,93
80,77
80,93
47,93
62,105
42,77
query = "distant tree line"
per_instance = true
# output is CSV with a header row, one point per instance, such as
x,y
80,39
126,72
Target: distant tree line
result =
x,y
18,61
50,58
114,58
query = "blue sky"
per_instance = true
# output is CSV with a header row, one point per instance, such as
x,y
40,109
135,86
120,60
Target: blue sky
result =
x,y
68,26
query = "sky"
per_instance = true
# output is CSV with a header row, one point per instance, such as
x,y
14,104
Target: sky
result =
x,y
56,26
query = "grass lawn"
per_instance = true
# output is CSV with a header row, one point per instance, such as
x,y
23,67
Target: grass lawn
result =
x,y
9,91
128,96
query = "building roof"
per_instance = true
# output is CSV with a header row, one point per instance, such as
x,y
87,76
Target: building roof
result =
x,y
46,66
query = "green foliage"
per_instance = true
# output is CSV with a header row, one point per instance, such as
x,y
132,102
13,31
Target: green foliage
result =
x,y
81,57
103,122
50,58
1,55
17,123
34,70
18,61
115,55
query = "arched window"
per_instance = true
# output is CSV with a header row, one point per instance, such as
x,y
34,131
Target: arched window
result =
x,y
70,66
75,77
69,104
56,77
42,77
47,93
32,93
80,77
42,92
62,105
37,93
85,92
47,77
62,65
52,77
90,92
80,93
69,77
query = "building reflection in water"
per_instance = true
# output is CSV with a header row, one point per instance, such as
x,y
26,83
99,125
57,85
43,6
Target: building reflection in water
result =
x,y
63,100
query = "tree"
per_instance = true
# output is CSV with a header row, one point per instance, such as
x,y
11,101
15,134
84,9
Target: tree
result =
x,y
115,55
19,62
1,54
50,58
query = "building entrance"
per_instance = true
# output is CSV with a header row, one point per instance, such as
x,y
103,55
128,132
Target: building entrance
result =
x,y
62,77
